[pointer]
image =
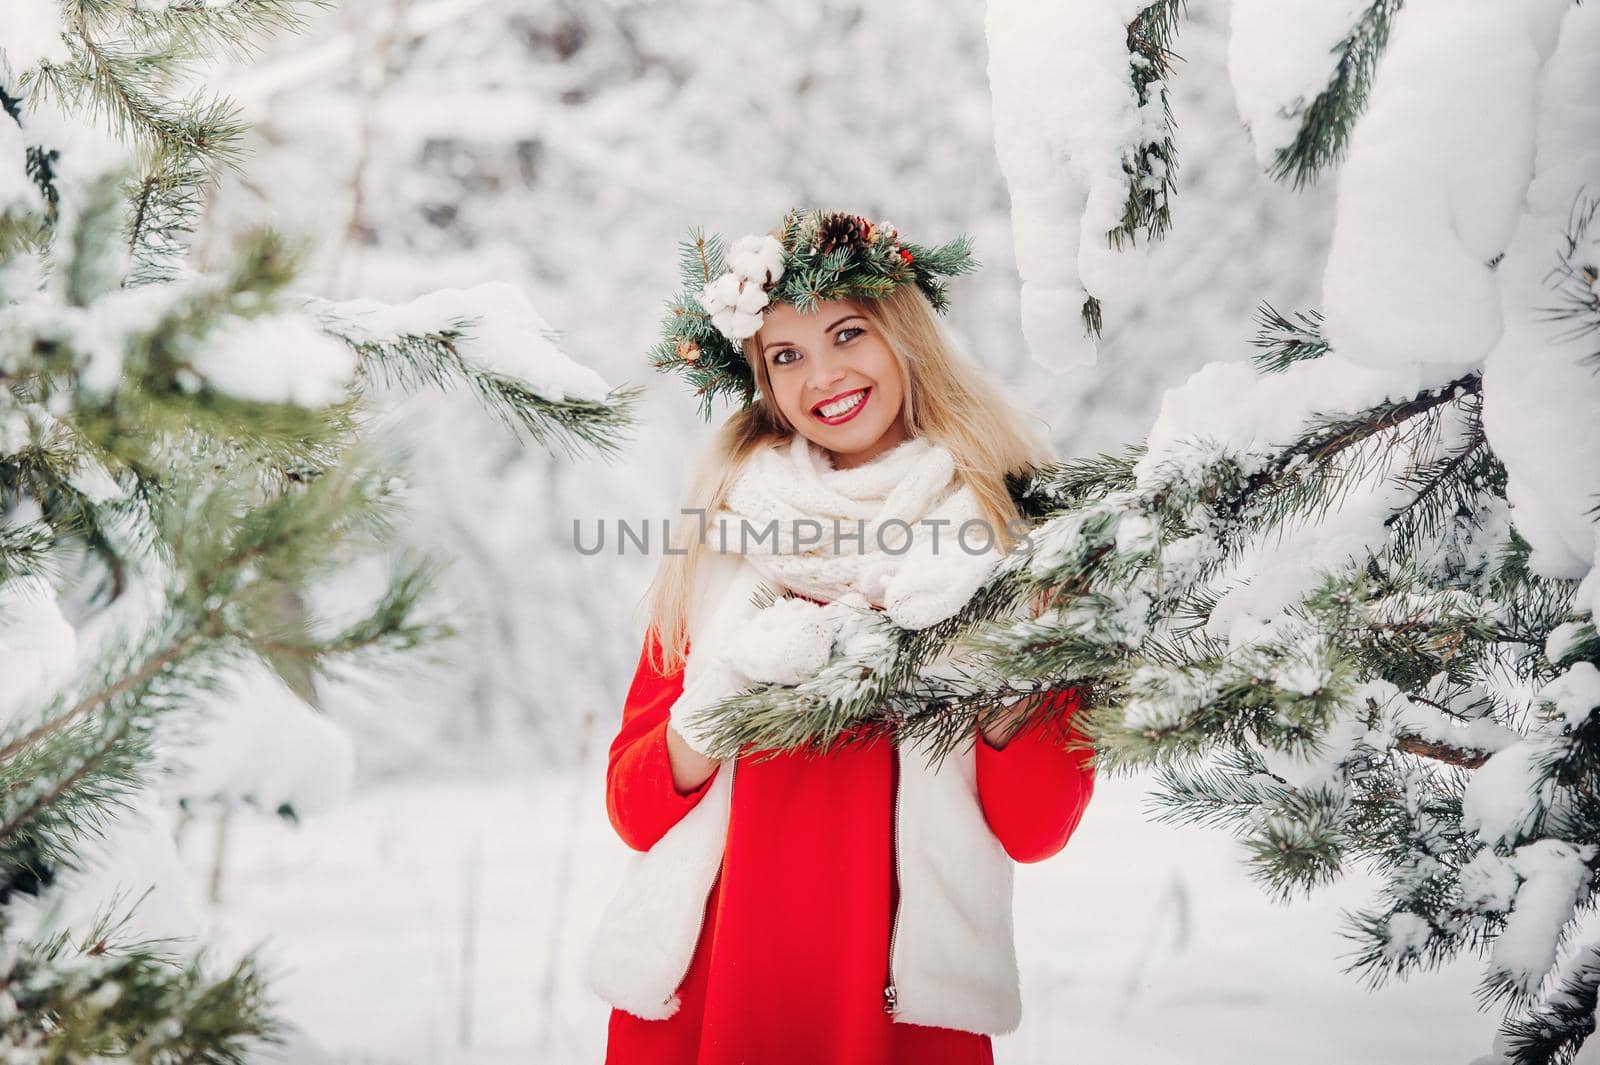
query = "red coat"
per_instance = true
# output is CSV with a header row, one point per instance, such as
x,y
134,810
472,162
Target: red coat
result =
x,y
793,956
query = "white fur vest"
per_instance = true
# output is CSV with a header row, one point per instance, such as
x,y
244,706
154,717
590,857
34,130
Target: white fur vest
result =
x,y
953,962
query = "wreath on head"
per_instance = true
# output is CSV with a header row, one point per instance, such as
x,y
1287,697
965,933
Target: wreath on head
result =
x,y
813,255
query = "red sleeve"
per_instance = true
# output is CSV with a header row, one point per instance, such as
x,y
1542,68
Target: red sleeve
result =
x,y
640,796
1034,790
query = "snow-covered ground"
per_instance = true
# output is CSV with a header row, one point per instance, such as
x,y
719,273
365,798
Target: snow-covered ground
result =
x,y
442,921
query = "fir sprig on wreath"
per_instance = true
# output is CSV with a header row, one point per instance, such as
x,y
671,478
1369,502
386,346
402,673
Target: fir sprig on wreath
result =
x,y
811,256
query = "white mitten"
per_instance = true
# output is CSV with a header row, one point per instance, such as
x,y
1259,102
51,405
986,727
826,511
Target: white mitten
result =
x,y
786,643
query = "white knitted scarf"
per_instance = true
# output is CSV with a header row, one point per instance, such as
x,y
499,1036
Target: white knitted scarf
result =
x,y
889,530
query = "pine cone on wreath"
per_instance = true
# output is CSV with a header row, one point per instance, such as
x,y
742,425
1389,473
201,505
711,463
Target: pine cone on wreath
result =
x,y
840,230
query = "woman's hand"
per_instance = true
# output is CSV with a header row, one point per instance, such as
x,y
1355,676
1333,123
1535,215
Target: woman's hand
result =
x,y
690,769
998,729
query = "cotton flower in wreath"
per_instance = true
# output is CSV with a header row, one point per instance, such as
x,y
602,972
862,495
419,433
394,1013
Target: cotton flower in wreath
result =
x,y
757,258
735,305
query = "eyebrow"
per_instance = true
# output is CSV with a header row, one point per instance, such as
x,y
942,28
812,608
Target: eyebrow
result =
x,y
831,328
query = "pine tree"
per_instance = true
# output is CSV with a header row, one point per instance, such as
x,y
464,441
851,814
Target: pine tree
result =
x,y
195,437
1342,603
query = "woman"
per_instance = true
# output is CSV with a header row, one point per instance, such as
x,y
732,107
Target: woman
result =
x,y
853,907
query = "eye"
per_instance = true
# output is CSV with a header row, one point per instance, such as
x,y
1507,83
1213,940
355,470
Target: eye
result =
x,y
843,336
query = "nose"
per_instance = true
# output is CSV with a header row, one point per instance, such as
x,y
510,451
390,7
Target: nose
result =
x,y
827,371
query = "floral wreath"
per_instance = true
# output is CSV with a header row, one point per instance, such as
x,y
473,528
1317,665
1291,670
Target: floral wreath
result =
x,y
813,255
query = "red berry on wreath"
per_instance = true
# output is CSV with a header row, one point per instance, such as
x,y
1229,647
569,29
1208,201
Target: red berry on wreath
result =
x,y
905,255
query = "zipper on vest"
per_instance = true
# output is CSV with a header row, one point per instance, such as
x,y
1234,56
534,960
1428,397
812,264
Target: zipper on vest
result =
x,y
891,1004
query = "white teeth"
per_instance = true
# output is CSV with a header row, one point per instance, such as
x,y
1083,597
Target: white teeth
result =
x,y
833,410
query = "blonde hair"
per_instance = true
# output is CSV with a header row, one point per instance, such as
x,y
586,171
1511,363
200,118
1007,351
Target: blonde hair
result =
x,y
948,398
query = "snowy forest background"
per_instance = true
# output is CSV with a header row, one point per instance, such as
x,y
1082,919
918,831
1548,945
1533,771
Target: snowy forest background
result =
x,y
451,851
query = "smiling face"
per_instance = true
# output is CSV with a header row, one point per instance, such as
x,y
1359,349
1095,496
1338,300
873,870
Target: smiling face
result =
x,y
834,378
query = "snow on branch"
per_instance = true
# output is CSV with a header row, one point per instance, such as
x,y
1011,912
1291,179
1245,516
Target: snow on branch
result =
x,y
1344,601
1083,132
490,339
1432,190
1301,72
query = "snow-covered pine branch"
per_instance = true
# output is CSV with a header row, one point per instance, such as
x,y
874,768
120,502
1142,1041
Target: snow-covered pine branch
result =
x,y
107,987
1301,72
184,458
1089,170
491,340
